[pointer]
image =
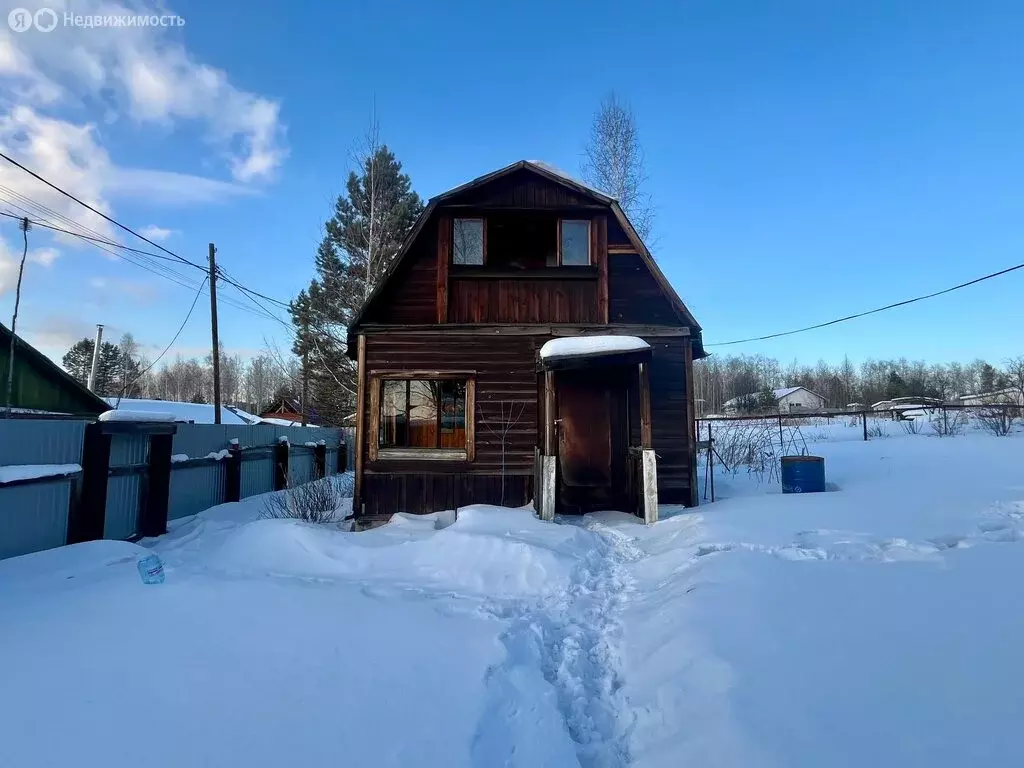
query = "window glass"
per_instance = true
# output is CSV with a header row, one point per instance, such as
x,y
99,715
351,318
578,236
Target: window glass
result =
x,y
423,410
393,421
575,242
423,413
453,414
469,241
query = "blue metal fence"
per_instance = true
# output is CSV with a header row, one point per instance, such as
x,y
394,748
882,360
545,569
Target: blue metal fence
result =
x,y
35,516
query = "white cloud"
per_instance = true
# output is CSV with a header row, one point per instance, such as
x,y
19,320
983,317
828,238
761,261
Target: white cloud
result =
x,y
153,232
10,258
147,73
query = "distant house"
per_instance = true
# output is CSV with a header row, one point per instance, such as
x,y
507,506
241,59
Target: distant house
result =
x,y
1008,396
40,385
283,409
787,400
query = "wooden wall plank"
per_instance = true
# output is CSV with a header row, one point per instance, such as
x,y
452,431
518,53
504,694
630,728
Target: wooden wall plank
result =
x,y
443,258
599,233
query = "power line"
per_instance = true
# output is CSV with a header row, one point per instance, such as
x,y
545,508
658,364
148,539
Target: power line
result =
x,y
171,343
871,311
116,223
90,238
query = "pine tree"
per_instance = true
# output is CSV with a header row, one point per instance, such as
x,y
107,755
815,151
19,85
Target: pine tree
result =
x,y
78,362
370,222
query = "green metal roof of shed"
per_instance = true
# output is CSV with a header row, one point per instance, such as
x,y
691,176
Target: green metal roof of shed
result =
x,y
40,384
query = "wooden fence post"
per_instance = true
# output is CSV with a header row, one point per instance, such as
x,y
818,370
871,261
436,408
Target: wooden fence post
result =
x,y
281,464
233,473
88,517
864,418
320,460
153,515
342,457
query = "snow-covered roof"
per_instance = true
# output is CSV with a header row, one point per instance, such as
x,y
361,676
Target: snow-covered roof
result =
x,y
283,422
583,346
777,393
199,413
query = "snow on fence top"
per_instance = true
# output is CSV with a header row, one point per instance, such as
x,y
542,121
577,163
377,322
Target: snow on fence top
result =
x,y
120,415
197,413
580,346
14,472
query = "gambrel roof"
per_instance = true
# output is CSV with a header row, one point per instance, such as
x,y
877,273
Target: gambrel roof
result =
x,y
557,176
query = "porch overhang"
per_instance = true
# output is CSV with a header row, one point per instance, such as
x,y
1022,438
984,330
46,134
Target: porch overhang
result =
x,y
593,352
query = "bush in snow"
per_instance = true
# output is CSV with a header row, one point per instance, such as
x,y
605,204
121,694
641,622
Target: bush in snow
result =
x,y
912,426
758,445
946,425
316,502
998,421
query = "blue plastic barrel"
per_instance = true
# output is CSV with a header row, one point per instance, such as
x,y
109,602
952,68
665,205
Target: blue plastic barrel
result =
x,y
803,474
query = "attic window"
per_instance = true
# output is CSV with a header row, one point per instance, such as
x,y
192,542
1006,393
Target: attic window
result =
x,y
574,242
468,241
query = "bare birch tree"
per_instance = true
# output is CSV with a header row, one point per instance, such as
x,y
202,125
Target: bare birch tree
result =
x,y
615,162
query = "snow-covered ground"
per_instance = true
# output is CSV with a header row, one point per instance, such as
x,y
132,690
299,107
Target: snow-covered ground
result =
x,y
876,624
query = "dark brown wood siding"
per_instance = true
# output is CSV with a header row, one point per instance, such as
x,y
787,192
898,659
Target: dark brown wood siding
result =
x,y
669,418
506,378
634,296
522,300
522,189
410,295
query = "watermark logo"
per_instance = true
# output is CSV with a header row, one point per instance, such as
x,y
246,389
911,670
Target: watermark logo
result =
x,y
46,20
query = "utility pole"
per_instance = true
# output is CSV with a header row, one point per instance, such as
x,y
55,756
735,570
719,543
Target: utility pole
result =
x,y
213,326
24,226
95,357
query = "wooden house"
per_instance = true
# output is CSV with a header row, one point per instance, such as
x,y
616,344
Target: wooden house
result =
x,y
461,398
41,387
285,409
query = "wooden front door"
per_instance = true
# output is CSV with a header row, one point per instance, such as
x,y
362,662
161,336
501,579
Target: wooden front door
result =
x,y
591,442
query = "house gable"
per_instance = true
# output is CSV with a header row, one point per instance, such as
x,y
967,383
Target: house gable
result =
x,y
624,286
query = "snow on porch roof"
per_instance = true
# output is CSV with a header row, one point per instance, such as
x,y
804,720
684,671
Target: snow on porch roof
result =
x,y
583,348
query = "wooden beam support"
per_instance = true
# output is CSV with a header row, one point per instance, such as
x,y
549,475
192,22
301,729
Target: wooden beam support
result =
x,y
691,424
153,515
444,247
540,329
357,492
550,413
599,247
645,407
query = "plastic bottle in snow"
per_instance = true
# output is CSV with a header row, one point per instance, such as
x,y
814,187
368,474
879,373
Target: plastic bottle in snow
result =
x,y
151,569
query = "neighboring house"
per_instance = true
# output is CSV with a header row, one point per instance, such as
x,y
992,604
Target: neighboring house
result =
x,y
283,410
1008,396
190,413
40,385
457,405
787,400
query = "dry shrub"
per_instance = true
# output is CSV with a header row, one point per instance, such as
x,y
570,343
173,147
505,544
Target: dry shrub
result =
x,y
946,425
912,426
998,421
756,445
316,502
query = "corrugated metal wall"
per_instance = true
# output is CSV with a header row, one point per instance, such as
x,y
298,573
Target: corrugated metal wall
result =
x,y
34,517
123,490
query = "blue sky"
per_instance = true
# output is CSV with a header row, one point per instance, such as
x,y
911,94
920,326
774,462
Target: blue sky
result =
x,y
806,159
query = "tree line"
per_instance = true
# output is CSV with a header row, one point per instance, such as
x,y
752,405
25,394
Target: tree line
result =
x,y
721,378
122,371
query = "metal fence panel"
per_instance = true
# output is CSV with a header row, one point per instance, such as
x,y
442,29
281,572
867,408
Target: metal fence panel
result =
x,y
41,441
257,475
33,517
301,463
124,492
194,489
